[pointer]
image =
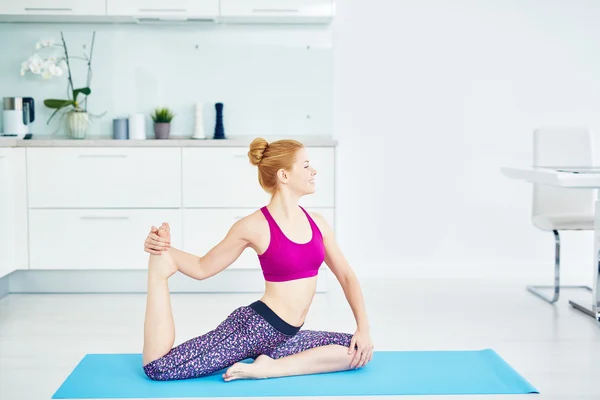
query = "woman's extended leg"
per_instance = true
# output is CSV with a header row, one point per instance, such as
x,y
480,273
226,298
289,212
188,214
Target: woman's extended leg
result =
x,y
159,327
308,352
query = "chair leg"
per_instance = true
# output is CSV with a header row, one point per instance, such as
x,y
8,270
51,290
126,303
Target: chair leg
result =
x,y
556,286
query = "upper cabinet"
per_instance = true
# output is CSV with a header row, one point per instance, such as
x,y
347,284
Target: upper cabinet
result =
x,y
164,10
277,11
133,11
53,7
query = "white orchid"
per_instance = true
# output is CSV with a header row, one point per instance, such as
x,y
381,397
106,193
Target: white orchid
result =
x,y
55,70
54,63
44,43
35,64
24,67
45,67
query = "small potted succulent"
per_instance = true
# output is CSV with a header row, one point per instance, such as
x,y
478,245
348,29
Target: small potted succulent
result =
x,y
162,118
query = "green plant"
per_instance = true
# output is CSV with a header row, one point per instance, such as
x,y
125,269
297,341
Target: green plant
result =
x,y
73,94
162,115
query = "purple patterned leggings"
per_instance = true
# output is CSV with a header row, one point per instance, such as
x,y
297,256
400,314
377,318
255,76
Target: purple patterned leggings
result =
x,y
245,333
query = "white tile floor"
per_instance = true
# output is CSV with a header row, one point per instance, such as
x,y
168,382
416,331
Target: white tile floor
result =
x,y
557,349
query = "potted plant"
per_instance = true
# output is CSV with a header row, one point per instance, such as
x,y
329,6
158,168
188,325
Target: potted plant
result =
x,y
74,108
162,118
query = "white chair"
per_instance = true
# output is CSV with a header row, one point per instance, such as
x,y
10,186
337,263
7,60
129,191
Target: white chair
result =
x,y
558,209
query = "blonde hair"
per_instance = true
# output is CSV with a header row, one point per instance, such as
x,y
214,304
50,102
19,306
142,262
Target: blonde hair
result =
x,y
270,158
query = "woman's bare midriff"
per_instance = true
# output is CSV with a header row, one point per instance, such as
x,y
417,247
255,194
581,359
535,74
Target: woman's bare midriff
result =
x,y
290,300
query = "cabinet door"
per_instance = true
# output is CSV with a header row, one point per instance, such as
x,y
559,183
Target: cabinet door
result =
x,y
223,177
19,175
276,10
111,177
164,9
95,239
7,213
54,7
220,177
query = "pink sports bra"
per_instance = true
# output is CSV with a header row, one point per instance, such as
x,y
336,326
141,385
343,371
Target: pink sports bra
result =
x,y
285,260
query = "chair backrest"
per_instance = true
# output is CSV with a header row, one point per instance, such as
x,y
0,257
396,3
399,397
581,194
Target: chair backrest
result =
x,y
562,147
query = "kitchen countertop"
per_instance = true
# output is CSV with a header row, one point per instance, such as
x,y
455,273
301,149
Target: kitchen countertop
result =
x,y
49,141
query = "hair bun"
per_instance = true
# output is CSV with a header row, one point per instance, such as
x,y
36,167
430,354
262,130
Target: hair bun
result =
x,y
257,150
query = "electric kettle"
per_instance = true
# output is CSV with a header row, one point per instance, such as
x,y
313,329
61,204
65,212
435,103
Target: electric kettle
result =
x,y
18,113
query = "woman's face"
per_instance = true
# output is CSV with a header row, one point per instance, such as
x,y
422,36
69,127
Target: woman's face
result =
x,y
301,178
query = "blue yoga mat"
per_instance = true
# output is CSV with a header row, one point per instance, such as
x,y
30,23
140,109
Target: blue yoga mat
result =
x,y
389,373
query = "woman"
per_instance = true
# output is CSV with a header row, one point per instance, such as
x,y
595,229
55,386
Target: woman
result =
x,y
291,245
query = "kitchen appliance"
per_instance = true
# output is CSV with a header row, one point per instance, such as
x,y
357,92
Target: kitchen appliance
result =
x,y
18,113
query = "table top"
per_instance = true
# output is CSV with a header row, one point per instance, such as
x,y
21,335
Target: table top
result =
x,y
572,177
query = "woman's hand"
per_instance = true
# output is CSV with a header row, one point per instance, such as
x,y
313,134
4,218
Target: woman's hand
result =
x,y
158,240
363,353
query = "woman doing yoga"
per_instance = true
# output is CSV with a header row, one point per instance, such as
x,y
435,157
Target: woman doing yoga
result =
x,y
291,245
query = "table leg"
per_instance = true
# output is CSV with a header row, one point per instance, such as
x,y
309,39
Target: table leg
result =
x,y
594,310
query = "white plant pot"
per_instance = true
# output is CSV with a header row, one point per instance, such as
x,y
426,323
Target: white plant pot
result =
x,y
77,122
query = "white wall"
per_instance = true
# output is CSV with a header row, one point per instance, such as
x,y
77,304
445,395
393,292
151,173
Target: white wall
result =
x,y
272,80
431,98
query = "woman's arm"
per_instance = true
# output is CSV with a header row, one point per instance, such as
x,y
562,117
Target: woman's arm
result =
x,y
215,260
361,344
340,267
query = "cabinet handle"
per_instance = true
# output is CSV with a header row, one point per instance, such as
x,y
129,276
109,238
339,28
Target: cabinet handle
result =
x,y
47,9
163,10
90,217
275,10
102,155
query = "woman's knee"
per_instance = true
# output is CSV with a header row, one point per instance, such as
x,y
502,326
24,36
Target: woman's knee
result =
x,y
157,368
155,373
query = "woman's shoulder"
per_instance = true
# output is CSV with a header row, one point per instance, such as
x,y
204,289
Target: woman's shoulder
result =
x,y
252,225
321,222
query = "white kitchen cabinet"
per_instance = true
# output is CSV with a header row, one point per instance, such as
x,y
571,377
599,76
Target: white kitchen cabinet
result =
x,y
205,228
7,212
95,239
86,208
176,9
223,177
111,177
278,11
53,7
19,165
220,177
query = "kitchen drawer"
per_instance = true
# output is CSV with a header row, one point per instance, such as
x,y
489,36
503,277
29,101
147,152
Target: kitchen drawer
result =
x,y
104,177
95,239
224,177
205,228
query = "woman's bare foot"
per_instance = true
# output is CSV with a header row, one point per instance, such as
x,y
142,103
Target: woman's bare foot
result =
x,y
259,369
162,266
